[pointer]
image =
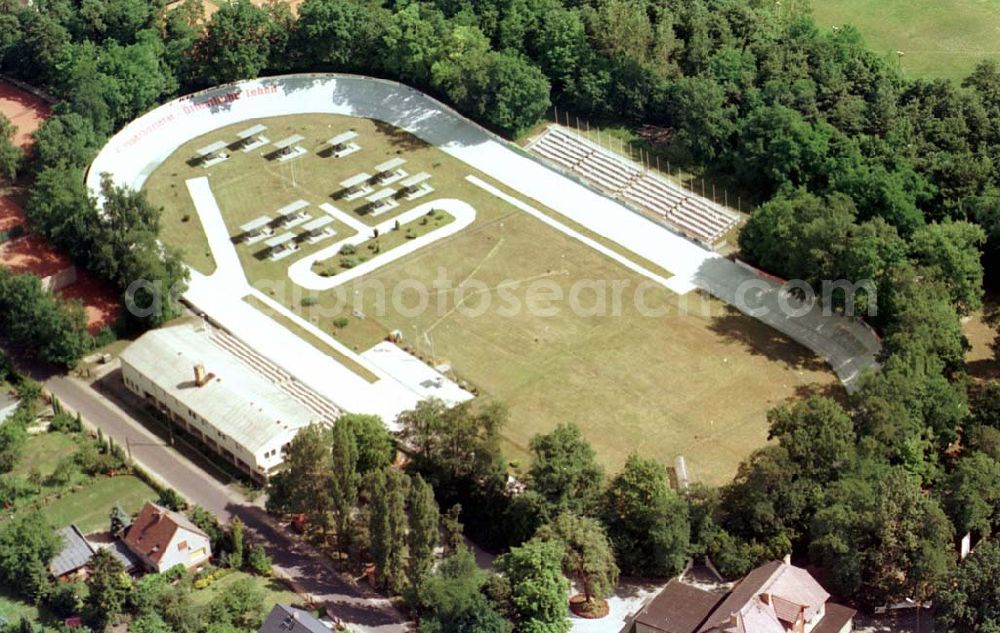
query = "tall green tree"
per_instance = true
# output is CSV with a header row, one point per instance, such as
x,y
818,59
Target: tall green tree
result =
x,y
538,589
387,528
646,521
303,487
109,589
344,479
27,545
375,446
564,470
452,600
424,533
236,44
587,556
967,601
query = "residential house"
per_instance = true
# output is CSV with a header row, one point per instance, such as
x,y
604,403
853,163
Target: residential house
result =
x,y
286,619
774,598
73,560
163,539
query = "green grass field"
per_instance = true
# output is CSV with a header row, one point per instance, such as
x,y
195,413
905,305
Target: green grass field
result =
x,y
939,38
43,453
696,384
274,591
88,508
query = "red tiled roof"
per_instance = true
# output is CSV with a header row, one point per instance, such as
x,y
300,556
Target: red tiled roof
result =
x,y
153,529
786,610
834,619
678,608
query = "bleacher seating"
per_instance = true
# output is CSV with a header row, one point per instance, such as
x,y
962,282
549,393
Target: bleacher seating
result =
x,y
694,215
325,410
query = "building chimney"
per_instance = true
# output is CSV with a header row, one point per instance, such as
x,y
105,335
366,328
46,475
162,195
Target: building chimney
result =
x,y
788,559
199,375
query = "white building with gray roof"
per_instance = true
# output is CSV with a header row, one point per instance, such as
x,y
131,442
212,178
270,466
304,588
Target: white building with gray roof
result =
x,y
231,407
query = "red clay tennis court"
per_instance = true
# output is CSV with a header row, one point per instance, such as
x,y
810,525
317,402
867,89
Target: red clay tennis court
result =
x,y
24,109
32,254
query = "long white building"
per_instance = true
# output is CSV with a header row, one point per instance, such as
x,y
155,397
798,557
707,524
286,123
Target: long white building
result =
x,y
208,391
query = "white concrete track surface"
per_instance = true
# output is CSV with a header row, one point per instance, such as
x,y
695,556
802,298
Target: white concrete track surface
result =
x,y
140,147
221,296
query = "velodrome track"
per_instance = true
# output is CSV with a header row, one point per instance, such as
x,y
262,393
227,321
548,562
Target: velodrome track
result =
x,y
132,155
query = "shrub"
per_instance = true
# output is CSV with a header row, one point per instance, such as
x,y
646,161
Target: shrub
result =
x,y
340,322
258,561
66,599
348,262
63,472
309,301
171,499
348,249
65,423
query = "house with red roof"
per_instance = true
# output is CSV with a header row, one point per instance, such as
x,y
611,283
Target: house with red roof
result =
x,y
774,598
163,539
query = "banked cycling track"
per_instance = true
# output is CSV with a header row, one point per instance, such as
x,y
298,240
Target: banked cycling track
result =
x,y
135,152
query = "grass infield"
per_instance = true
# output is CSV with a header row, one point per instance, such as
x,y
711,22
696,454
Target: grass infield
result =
x,y
694,382
943,38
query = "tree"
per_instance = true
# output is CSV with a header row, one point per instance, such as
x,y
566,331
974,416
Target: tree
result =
x,y
108,589
565,471
332,33
162,600
587,554
882,538
424,533
701,116
344,479
817,434
646,521
779,146
972,494
387,527
10,154
171,499
967,601
27,546
235,557
452,600
375,447
952,250
241,606
236,44
303,487
258,561
119,521
149,623
538,587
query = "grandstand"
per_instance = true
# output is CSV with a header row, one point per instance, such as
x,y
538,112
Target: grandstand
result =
x,y
693,215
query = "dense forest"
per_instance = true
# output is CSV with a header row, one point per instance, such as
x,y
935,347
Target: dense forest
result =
x,y
856,171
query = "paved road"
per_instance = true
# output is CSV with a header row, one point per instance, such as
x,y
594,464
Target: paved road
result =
x,y
309,571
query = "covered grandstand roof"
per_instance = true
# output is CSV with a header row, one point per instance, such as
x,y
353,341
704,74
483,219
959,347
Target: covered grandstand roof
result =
x,y
236,400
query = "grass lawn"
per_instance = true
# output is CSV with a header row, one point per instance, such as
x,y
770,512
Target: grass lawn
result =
x,y
13,607
943,38
274,590
88,508
43,452
695,383
383,243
